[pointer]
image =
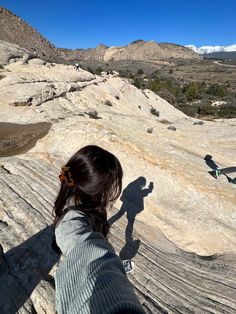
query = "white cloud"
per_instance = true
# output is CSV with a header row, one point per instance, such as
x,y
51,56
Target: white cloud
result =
x,y
209,49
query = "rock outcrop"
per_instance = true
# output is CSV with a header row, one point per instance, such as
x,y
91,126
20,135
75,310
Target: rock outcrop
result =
x,y
184,232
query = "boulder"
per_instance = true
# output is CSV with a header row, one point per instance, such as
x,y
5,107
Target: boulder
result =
x,y
37,61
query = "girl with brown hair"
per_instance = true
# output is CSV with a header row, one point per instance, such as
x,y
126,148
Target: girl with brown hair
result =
x,y
91,278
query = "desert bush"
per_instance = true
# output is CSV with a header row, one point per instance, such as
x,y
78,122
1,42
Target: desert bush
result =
x,y
227,111
2,76
117,97
172,128
171,71
137,41
188,109
154,112
165,121
108,103
130,75
90,70
150,130
98,71
140,72
167,95
216,90
93,114
137,83
1,66
206,110
198,123
191,91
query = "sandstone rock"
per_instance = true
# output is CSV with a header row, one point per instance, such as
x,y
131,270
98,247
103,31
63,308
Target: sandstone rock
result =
x,y
11,52
37,61
166,279
187,213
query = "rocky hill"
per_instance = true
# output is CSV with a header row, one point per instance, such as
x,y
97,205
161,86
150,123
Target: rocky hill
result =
x,y
15,30
138,50
184,239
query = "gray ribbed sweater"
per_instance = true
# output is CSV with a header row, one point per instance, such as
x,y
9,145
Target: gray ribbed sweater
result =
x,y
91,277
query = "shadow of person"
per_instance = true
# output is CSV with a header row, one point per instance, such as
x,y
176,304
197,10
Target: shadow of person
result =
x,y
210,162
133,203
23,267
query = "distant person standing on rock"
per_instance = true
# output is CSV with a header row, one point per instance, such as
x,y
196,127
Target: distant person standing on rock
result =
x,y
77,66
91,278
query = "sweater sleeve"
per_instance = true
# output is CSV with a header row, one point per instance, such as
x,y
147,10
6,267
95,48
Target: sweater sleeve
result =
x,y
91,278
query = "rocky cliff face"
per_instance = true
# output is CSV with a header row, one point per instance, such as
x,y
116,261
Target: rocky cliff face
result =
x,y
188,212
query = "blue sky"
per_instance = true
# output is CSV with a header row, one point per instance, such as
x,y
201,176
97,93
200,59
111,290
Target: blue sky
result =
x,y
83,24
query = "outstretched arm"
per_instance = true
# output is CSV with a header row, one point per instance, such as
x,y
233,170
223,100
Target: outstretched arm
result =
x,y
91,278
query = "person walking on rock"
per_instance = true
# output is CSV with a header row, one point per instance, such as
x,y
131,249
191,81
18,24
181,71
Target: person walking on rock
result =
x,y
91,278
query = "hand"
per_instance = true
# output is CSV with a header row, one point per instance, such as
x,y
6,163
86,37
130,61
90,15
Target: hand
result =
x,y
151,186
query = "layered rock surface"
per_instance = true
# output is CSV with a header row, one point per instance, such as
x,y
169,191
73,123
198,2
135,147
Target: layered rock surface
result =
x,y
187,206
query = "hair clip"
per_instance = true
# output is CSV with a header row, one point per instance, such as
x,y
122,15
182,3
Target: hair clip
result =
x,y
65,176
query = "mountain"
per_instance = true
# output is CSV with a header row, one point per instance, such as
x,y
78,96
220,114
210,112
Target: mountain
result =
x,y
15,30
224,55
212,49
137,50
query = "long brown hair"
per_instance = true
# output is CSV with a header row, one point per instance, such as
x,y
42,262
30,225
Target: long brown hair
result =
x,y
92,178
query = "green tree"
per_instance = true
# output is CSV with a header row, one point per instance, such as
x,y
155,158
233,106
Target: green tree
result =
x,y
191,91
140,72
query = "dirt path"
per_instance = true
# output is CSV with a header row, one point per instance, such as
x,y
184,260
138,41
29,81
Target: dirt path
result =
x,y
225,65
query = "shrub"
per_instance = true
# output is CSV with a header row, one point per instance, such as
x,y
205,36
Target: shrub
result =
x,y
137,83
117,97
90,70
165,121
216,90
137,41
198,123
140,72
191,91
171,71
154,112
167,95
227,111
150,130
93,114
130,75
2,76
1,66
98,71
172,128
108,103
